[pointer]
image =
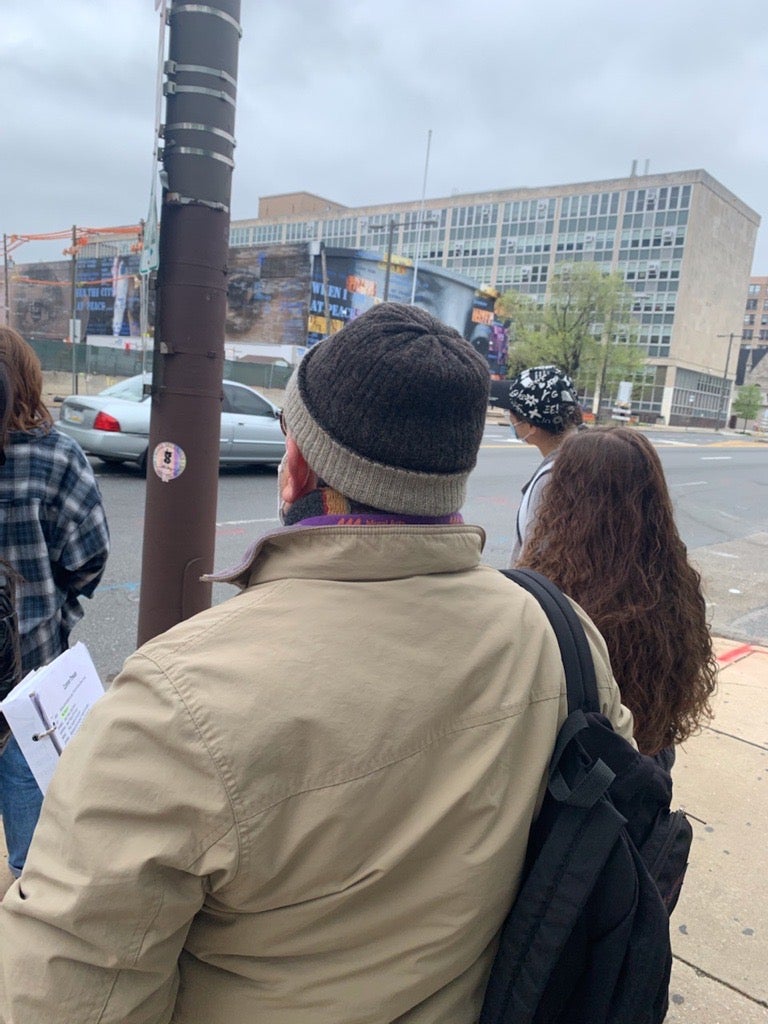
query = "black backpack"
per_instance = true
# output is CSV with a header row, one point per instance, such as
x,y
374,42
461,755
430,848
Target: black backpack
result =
x,y
587,938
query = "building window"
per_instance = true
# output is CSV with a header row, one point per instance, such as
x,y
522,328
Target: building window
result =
x,y
754,289
751,303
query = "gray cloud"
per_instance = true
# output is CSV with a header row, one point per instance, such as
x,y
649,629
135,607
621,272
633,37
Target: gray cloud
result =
x,y
337,98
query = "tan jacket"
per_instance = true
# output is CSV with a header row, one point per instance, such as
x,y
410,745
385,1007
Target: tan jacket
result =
x,y
307,805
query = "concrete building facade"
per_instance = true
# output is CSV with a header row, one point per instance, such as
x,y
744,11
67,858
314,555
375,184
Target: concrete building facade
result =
x,y
682,242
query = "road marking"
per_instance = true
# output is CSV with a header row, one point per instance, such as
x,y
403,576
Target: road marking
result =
x,y
723,554
505,444
737,444
678,444
692,483
737,652
246,522
715,458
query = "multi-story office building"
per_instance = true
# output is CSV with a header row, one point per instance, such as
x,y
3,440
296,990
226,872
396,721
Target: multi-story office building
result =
x,y
682,241
753,364
755,330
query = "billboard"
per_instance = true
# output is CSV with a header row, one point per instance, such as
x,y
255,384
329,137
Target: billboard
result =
x,y
285,295
106,297
356,279
487,334
267,294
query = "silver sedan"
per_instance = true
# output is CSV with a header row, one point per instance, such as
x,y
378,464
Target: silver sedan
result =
x,y
114,425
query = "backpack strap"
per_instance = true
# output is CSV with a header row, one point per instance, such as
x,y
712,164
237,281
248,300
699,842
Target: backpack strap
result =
x,y
574,646
582,829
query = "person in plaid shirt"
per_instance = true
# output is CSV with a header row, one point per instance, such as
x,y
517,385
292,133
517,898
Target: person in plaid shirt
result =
x,y
53,531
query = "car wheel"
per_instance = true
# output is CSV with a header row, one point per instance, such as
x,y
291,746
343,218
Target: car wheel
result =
x,y
143,463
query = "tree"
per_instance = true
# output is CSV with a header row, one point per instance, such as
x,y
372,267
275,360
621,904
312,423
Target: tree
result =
x,y
585,326
747,403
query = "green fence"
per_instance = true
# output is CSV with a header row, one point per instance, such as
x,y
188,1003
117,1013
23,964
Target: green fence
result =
x,y
116,362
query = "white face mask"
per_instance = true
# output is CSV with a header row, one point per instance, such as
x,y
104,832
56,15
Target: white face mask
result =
x,y
525,436
280,502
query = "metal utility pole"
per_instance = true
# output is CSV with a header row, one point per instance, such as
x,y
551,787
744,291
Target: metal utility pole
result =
x,y
73,311
183,457
724,396
6,293
326,307
390,239
390,229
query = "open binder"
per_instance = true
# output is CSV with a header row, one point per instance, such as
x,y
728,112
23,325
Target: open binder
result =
x,y
48,706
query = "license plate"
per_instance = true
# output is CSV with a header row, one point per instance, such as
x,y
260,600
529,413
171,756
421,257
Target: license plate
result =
x,y
73,416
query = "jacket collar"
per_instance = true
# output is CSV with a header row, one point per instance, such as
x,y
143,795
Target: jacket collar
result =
x,y
374,551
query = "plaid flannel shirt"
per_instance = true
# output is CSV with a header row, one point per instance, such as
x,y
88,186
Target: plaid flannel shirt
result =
x,y
53,531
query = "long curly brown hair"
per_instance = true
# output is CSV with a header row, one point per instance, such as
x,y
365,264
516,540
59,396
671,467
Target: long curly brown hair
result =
x,y
26,383
605,534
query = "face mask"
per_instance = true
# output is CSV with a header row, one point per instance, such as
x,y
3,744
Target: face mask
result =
x,y
280,503
525,436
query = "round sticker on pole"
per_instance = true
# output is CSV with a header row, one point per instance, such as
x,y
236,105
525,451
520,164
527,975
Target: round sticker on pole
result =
x,y
168,461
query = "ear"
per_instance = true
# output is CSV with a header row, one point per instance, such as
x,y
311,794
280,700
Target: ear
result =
x,y
297,478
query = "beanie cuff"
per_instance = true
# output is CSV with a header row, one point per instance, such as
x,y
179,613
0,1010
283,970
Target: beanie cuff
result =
x,y
389,488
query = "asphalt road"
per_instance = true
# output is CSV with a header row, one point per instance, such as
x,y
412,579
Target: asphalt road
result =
x,y
719,485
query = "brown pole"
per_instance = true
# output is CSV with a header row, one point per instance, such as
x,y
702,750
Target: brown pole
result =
x,y
188,359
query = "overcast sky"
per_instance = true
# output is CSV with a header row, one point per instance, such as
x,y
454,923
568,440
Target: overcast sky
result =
x,y
337,97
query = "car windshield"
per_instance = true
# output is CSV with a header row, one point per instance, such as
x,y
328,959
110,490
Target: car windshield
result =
x,y
131,390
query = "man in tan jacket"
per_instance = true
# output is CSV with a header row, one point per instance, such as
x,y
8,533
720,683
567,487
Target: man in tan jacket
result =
x,y
310,804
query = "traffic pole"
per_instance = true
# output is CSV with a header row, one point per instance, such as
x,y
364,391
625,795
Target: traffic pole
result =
x,y
188,359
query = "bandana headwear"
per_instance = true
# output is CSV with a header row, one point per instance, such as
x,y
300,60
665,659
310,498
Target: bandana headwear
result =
x,y
543,396
390,411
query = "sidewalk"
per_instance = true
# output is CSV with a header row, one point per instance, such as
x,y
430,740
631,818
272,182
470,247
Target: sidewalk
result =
x,y
720,925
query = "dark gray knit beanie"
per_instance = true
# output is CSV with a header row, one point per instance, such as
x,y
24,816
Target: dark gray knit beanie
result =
x,y
390,411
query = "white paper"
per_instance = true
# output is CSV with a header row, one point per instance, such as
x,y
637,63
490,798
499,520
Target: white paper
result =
x,y
57,696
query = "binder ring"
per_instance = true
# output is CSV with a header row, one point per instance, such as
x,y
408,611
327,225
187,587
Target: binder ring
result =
x,y
41,735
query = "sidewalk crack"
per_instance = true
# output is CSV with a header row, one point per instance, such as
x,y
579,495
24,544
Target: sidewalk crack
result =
x,y
726,984
732,736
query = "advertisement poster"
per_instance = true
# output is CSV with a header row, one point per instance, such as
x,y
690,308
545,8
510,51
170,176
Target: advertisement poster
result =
x,y
355,280
106,297
267,294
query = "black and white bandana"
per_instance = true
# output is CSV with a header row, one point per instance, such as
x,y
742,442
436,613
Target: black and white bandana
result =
x,y
543,396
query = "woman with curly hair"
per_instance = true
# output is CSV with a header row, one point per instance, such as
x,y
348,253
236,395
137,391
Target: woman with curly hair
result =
x,y
605,534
